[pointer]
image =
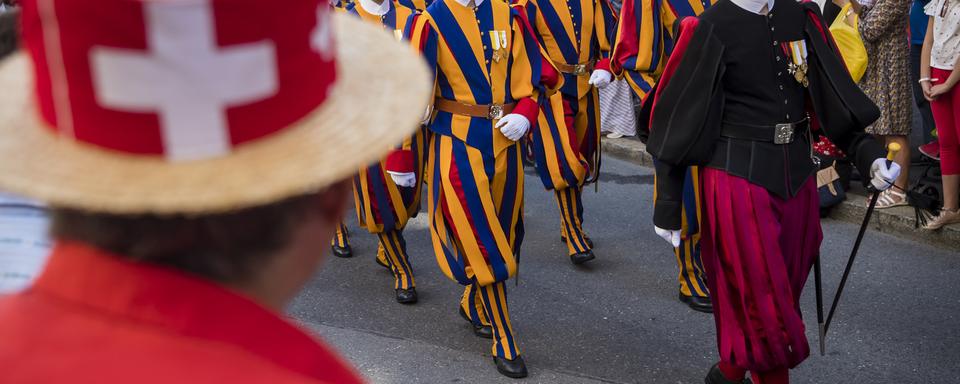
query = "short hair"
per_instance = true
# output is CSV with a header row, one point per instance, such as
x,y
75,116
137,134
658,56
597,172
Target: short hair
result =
x,y
223,247
8,32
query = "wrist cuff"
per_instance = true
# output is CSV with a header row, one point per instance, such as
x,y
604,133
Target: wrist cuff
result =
x,y
528,108
400,161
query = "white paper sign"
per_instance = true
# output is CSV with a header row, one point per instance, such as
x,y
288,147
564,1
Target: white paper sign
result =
x,y
24,243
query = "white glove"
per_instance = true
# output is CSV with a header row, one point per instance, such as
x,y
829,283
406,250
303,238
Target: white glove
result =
x,y
514,126
672,237
882,175
601,78
404,179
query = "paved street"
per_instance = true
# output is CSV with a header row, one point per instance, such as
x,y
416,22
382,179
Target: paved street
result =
x,y
618,319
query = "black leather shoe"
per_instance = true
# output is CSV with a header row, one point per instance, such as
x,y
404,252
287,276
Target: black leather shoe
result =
x,y
484,331
716,377
344,252
407,296
515,369
699,304
582,257
589,241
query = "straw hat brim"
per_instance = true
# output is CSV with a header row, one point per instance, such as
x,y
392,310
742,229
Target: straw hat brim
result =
x,y
378,100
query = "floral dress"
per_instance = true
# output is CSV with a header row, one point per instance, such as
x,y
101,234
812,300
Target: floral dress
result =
x,y
884,27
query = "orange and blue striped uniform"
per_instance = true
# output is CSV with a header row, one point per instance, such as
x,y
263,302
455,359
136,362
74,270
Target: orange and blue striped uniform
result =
x,y
382,207
474,173
574,32
645,39
556,154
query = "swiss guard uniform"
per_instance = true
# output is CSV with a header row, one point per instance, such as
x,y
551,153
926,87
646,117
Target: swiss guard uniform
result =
x,y
759,67
487,69
577,36
383,207
645,39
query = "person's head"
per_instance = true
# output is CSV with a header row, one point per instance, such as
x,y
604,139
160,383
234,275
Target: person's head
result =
x,y
229,165
267,251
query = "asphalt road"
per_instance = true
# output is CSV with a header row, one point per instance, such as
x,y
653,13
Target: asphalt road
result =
x,y
618,320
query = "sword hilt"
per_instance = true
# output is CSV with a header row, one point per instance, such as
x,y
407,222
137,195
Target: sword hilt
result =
x,y
892,150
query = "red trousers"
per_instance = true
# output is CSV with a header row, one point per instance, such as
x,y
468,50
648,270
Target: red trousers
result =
x,y
757,250
946,112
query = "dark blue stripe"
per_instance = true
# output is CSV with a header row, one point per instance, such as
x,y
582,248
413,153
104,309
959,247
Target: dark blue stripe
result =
x,y
509,190
457,266
462,52
555,25
379,187
475,208
503,317
690,203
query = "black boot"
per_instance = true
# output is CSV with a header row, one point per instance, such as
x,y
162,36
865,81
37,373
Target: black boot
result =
x,y
407,296
484,331
515,369
716,377
699,304
582,257
344,252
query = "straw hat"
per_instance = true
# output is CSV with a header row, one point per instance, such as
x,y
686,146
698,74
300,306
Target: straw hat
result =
x,y
198,106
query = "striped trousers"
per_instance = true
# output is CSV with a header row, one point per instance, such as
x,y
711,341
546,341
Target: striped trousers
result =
x,y
487,306
342,237
475,203
586,120
692,277
392,251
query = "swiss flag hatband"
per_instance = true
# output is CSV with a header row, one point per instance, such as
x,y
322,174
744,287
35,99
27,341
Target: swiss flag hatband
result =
x,y
185,80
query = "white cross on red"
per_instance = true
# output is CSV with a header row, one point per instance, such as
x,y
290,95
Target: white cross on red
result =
x,y
185,78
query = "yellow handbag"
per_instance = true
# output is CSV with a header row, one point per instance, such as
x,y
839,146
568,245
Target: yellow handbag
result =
x,y
850,43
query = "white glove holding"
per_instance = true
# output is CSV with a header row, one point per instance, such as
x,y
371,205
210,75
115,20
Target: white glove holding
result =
x,y
514,126
601,78
404,179
672,237
883,175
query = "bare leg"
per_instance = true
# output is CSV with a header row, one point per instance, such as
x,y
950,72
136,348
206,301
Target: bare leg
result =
x,y
902,159
951,184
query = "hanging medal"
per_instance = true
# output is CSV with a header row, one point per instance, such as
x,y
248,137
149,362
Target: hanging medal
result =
x,y
798,65
499,41
398,34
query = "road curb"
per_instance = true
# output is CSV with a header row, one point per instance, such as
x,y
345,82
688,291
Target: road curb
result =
x,y
899,222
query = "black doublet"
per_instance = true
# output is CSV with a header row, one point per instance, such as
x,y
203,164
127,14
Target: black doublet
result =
x,y
734,73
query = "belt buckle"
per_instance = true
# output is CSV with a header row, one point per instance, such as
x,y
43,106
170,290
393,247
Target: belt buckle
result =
x,y
783,134
580,69
495,112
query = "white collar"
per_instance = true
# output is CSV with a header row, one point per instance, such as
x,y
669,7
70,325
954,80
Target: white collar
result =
x,y
374,8
466,3
755,6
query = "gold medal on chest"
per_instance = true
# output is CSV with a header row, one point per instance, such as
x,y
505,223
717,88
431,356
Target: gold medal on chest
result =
x,y
798,62
499,41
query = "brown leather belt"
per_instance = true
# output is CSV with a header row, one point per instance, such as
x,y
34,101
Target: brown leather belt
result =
x,y
576,69
491,112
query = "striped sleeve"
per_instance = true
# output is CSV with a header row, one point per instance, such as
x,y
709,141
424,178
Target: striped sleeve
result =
x,y
639,53
605,20
525,72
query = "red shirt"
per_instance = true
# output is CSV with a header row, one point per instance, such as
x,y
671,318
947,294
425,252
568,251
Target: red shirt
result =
x,y
94,318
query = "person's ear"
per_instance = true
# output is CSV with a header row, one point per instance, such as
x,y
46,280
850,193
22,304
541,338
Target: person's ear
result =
x,y
332,203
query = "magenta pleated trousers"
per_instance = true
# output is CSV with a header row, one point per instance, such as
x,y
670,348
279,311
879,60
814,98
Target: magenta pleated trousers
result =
x,y
757,252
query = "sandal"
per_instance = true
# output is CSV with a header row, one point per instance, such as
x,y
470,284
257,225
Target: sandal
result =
x,y
946,217
891,199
